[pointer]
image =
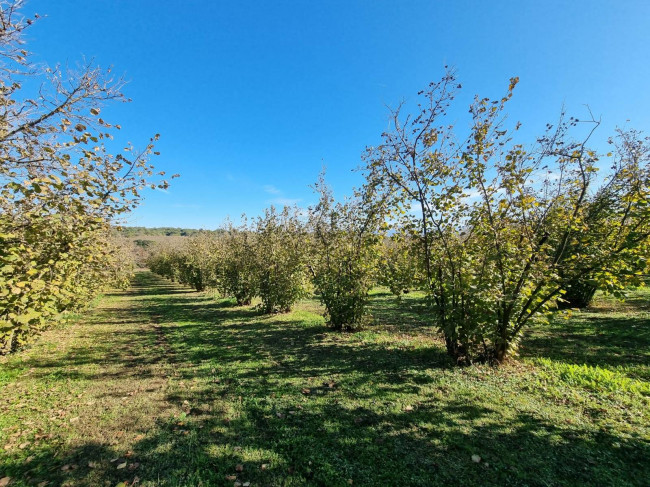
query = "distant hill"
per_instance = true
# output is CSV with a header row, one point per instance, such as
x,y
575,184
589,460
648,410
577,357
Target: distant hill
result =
x,y
161,231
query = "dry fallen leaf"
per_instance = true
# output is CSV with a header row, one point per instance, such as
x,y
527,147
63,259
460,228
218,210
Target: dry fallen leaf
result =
x,y
306,391
476,459
93,464
24,445
239,468
408,408
246,484
231,477
121,465
264,466
4,481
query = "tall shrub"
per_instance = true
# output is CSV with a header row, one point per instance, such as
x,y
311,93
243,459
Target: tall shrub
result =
x,y
238,273
281,253
344,255
60,188
504,228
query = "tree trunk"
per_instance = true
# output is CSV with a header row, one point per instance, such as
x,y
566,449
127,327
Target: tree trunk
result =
x,y
500,352
455,349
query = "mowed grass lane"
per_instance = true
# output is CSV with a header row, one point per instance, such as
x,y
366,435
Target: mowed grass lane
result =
x,y
161,386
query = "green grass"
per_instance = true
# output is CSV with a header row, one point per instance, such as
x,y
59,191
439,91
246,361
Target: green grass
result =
x,y
189,390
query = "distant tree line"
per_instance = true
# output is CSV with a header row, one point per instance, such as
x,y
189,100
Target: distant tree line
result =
x,y
160,231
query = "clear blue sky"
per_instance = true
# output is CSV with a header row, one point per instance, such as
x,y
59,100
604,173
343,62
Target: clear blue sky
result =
x,y
252,98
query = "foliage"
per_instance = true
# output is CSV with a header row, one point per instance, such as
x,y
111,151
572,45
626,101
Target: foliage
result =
x,y
145,244
400,266
165,261
281,254
226,261
60,189
504,229
197,266
579,293
192,263
346,241
614,224
238,274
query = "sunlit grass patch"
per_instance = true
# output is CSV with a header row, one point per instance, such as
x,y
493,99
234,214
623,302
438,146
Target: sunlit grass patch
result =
x,y
594,378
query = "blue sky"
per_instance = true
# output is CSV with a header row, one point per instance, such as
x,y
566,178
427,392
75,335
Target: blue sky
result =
x,y
252,98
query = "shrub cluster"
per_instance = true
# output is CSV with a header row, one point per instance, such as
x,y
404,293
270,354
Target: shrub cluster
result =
x,y
47,268
60,190
498,233
280,256
506,232
265,259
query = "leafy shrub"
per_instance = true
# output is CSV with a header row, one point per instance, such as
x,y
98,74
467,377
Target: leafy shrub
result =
x,y
238,273
400,266
60,190
344,255
281,254
193,263
504,229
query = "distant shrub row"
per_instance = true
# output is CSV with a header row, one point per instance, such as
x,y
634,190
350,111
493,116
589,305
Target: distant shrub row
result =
x,y
281,256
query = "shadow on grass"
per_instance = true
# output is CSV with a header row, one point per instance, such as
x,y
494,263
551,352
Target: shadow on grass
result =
x,y
328,444
411,312
596,338
345,428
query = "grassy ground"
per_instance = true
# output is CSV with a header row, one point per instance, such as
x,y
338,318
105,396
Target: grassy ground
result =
x,y
162,386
